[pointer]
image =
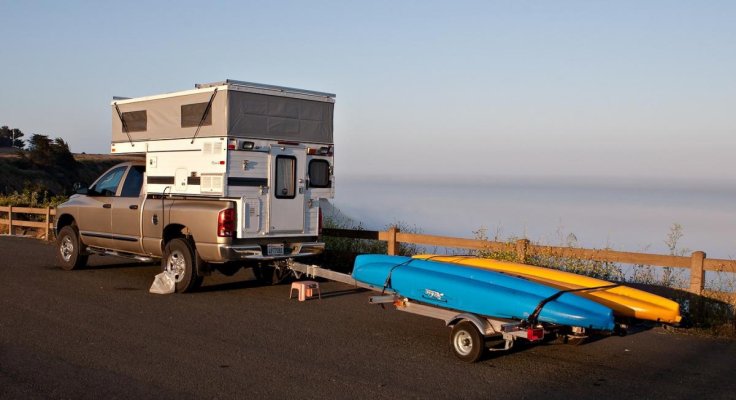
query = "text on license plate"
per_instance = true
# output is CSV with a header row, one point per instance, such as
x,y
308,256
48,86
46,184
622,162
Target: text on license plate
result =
x,y
275,249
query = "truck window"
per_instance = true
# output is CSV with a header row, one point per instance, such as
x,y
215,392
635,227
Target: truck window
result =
x,y
108,184
285,177
133,182
319,173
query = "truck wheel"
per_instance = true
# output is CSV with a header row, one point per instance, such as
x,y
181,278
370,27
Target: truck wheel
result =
x,y
68,249
179,259
467,342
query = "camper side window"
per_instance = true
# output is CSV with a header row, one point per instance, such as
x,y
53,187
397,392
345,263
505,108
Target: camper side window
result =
x,y
319,173
285,177
191,115
136,121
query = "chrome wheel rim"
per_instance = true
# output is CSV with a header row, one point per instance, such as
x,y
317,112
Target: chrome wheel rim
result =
x,y
176,264
66,248
463,343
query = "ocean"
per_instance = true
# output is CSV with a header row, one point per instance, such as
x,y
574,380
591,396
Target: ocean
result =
x,y
626,215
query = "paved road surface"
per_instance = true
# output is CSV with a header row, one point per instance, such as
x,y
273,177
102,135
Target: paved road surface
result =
x,y
98,333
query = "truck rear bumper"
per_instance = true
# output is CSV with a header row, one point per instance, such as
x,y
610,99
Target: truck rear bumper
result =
x,y
232,252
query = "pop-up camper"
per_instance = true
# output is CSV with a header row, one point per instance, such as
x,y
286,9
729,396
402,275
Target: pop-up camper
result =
x,y
269,148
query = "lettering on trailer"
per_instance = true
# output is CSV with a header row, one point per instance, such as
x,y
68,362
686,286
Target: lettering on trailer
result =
x,y
434,295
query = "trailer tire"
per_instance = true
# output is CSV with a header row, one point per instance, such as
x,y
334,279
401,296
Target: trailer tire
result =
x,y
69,249
466,342
179,258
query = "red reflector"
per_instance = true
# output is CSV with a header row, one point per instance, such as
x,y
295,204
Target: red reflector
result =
x,y
222,162
231,147
226,223
311,151
534,334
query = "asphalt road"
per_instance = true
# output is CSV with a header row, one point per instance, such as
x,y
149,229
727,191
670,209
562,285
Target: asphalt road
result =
x,y
98,333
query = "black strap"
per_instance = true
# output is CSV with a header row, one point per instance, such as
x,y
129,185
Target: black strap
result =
x,y
125,126
204,115
533,317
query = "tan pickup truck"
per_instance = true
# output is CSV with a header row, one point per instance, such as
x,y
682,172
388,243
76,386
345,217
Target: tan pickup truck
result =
x,y
192,236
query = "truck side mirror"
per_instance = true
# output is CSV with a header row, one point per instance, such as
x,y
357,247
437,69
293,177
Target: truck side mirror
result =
x,y
81,190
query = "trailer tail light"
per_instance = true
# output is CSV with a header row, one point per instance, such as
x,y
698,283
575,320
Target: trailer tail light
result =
x,y
534,334
319,223
226,223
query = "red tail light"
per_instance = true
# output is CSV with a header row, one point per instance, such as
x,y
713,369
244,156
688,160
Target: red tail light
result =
x,y
319,224
534,334
226,223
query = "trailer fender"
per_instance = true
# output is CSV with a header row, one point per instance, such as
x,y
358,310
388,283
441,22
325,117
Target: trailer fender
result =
x,y
480,323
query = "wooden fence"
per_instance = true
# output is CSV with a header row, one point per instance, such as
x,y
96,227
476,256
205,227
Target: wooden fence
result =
x,y
46,226
697,262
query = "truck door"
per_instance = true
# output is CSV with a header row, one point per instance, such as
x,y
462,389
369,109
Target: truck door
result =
x,y
286,194
125,212
94,218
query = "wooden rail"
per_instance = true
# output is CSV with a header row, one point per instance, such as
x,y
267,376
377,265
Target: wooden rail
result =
x,y
47,225
522,248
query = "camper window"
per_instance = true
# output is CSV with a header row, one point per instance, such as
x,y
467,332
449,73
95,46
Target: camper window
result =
x,y
136,121
285,177
191,114
319,173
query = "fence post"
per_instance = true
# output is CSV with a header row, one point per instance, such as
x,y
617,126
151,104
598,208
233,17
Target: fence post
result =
x,y
392,247
48,222
10,220
522,246
697,273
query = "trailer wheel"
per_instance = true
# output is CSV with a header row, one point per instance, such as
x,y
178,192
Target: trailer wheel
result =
x,y
69,248
179,259
467,342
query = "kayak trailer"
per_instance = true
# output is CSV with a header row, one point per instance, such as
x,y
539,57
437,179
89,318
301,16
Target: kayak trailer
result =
x,y
471,333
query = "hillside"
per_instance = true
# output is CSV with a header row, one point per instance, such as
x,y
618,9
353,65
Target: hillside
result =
x,y
18,173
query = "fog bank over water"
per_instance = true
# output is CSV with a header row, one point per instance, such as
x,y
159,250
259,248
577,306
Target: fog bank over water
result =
x,y
631,214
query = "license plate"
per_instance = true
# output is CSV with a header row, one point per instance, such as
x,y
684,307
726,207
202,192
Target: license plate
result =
x,y
275,249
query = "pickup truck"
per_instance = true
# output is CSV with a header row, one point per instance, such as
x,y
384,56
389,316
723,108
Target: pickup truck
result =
x,y
192,236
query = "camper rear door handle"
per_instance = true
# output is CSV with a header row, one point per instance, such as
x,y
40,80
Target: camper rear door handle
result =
x,y
108,205
133,206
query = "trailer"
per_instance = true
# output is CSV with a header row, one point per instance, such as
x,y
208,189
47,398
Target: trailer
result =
x,y
471,334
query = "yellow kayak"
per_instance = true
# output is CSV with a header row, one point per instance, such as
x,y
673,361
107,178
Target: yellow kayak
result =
x,y
623,300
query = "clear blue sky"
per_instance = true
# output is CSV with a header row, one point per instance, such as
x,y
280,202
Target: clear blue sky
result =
x,y
561,88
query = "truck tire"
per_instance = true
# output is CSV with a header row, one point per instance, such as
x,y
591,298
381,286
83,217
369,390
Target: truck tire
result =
x,y
69,249
466,342
179,258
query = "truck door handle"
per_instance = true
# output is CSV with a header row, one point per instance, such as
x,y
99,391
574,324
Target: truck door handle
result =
x,y
107,205
133,206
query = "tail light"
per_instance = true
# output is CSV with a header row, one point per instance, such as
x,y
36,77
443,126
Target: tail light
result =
x,y
319,224
226,223
534,334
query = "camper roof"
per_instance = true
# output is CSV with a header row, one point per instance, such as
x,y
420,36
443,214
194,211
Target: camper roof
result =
x,y
231,83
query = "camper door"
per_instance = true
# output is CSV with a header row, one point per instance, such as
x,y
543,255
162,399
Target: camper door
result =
x,y
287,167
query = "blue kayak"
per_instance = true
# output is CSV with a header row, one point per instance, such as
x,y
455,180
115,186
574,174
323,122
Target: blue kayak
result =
x,y
478,291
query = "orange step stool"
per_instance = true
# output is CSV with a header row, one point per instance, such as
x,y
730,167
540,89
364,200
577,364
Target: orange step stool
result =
x,y
305,289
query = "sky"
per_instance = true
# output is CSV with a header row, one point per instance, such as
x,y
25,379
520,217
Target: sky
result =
x,y
568,89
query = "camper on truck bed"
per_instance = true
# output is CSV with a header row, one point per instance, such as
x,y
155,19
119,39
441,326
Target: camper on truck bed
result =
x,y
231,175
